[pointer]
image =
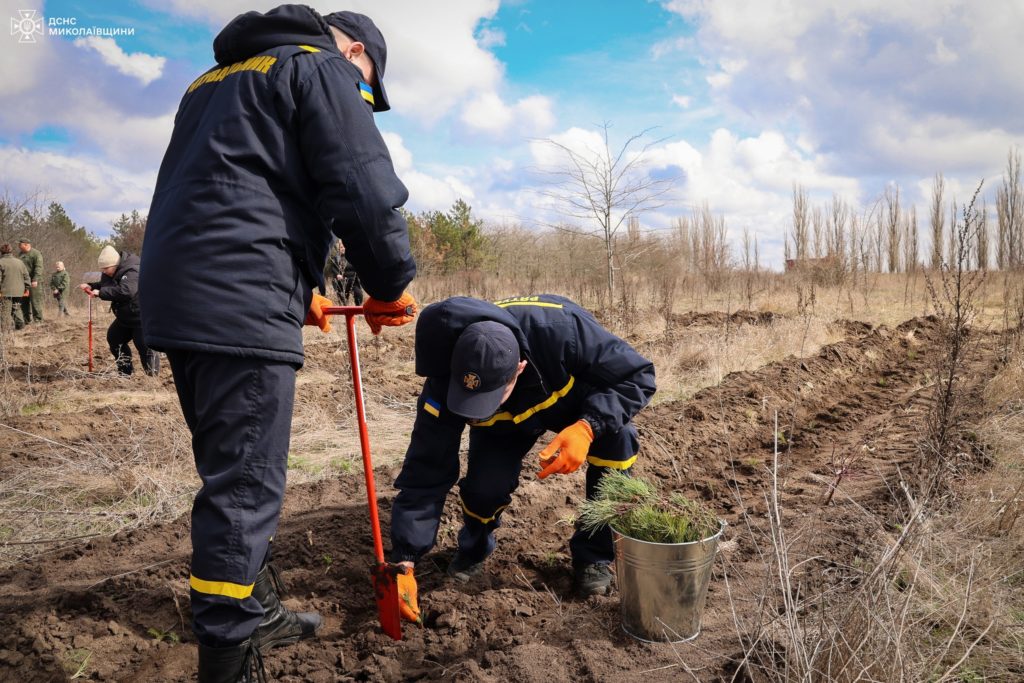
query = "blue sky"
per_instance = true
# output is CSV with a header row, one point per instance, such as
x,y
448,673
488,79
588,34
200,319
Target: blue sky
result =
x,y
744,98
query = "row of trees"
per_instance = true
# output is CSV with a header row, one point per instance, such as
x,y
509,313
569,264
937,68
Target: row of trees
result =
x,y
604,250
885,236
51,230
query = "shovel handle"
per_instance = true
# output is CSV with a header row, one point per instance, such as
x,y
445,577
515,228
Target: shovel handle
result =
x,y
350,313
90,334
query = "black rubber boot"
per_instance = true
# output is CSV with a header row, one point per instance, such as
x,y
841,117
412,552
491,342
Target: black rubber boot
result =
x,y
592,579
464,570
234,664
280,626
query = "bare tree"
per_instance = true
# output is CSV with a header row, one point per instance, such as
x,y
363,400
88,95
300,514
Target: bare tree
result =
x,y
712,247
605,188
818,230
982,237
911,245
938,218
801,222
892,227
954,242
1010,215
838,215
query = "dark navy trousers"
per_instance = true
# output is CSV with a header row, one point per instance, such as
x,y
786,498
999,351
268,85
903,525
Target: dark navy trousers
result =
x,y
239,411
492,475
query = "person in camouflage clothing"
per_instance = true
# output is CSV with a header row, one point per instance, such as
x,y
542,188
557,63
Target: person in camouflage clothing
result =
x,y
59,283
14,282
32,305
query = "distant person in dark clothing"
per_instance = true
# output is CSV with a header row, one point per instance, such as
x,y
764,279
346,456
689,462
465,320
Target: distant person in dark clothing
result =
x,y
120,286
343,277
59,283
14,284
352,285
32,305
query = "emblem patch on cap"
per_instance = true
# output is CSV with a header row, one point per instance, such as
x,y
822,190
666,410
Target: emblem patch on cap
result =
x,y
471,381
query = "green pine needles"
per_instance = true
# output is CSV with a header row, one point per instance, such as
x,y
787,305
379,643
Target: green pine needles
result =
x,y
635,508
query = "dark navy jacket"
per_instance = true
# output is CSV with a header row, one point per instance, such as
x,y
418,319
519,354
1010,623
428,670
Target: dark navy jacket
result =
x,y
575,369
122,290
272,151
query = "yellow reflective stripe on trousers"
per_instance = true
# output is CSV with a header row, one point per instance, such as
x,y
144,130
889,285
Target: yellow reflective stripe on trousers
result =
x,y
614,464
546,403
225,588
482,520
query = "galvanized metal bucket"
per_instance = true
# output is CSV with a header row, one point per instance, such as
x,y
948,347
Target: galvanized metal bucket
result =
x,y
662,586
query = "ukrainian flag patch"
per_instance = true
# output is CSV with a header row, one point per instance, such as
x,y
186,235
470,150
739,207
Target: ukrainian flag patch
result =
x,y
432,407
366,91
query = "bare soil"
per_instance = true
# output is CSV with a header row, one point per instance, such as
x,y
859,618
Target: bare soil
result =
x,y
123,599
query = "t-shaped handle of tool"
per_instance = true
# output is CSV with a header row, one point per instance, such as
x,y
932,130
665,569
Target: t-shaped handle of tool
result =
x,y
384,581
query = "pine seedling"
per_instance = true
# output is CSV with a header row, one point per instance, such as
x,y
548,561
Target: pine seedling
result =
x,y
634,508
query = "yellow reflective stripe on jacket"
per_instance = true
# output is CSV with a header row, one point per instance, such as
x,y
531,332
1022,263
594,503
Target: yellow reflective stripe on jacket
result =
x,y
614,464
482,520
309,48
546,403
542,304
525,301
261,63
225,588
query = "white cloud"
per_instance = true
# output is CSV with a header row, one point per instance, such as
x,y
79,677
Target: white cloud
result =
x,y
20,63
670,46
748,180
870,79
729,68
489,114
942,54
426,192
682,101
139,65
489,37
436,57
90,189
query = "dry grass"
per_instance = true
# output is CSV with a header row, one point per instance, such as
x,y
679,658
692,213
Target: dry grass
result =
x,y
936,598
702,356
132,472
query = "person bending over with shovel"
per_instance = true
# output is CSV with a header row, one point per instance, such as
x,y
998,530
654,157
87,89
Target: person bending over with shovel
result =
x,y
513,370
274,153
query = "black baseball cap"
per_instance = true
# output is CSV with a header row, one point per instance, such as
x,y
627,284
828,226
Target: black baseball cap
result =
x,y
361,28
484,359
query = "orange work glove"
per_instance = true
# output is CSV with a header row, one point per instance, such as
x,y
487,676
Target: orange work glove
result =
x,y
572,445
316,316
408,605
390,313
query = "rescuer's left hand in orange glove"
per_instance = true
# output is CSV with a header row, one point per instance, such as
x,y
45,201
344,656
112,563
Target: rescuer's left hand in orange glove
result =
x,y
316,316
390,313
408,605
572,445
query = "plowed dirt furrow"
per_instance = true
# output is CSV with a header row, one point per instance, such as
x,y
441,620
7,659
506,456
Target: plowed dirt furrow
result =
x,y
124,599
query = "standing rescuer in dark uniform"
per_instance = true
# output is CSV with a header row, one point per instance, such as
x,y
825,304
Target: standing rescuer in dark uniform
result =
x,y
274,152
513,370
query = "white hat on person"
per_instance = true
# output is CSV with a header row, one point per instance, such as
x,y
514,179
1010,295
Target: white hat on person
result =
x,y
108,257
